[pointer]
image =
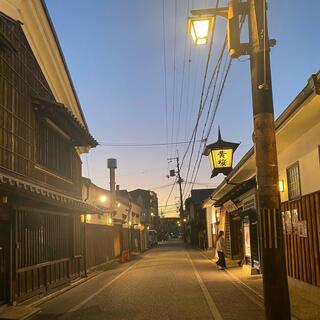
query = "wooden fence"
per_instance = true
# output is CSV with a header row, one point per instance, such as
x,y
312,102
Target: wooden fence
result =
x,y
100,244
302,245
47,253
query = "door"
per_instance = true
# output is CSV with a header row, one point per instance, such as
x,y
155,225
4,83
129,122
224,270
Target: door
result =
x,y
236,237
4,262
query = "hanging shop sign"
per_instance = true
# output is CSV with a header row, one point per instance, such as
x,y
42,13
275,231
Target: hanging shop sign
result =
x,y
220,155
230,206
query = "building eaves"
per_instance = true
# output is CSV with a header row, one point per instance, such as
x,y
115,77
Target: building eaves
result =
x,y
46,11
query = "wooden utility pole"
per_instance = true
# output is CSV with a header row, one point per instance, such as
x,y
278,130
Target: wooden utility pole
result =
x,y
275,282
179,180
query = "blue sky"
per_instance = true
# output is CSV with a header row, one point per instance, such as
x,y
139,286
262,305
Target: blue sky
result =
x,y
114,51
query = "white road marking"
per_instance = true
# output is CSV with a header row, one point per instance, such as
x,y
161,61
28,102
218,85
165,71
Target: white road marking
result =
x,y
83,302
212,306
237,283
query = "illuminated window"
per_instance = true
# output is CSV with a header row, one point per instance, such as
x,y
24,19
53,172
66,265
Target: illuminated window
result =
x,y
293,178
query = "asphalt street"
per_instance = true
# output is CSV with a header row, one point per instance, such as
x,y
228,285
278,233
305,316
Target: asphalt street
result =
x,y
168,282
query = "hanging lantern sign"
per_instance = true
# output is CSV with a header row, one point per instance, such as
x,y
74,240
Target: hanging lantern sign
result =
x,y
220,156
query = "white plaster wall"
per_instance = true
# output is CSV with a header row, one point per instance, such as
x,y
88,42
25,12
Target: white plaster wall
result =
x,y
209,216
305,150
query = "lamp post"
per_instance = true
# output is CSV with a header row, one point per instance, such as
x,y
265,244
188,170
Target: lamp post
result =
x,y
276,295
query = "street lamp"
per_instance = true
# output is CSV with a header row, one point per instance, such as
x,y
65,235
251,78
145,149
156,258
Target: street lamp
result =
x,y
275,282
200,28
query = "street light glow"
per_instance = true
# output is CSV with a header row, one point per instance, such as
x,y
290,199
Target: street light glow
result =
x,y
199,28
103,198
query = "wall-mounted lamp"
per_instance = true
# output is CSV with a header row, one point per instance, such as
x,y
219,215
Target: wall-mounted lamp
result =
x,y
281,185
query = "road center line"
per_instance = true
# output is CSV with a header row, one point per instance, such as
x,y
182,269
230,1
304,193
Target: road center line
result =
x,y
212,306
83,302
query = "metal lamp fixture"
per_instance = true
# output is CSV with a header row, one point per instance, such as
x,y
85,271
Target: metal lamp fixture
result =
x,y
200,28
220,155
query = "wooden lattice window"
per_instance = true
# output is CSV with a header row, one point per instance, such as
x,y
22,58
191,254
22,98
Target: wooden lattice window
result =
x,y
15,128
293,179
53,150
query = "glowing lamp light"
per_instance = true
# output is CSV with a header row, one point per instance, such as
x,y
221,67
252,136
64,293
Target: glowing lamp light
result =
x,y
200,28
103,198
220,156
152,214
110,220
118,204
88,217
281,185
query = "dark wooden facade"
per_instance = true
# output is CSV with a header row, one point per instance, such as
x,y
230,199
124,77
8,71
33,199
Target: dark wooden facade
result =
x,y
303,252
100,245
40,176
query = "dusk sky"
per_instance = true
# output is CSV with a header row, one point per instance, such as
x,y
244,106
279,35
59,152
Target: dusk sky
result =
x,y
115,53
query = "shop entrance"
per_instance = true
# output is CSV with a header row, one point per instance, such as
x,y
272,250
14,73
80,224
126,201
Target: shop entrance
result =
x,y
237,237
4,262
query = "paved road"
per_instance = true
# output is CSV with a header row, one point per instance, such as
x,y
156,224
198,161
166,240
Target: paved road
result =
x,y
169,282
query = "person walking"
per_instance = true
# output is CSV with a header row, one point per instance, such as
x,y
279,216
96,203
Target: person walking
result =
x,y
220,247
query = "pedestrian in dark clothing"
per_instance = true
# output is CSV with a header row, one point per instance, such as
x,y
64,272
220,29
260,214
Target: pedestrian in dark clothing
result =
x,y
220,247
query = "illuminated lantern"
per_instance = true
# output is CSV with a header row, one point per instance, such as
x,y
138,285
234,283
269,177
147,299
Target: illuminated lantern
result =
x,y
220,156
200,28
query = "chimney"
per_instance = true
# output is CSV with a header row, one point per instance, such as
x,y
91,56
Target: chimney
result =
x,y
117,187
112,165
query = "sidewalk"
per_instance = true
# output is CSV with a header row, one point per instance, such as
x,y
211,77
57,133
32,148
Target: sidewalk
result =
x,y
305,298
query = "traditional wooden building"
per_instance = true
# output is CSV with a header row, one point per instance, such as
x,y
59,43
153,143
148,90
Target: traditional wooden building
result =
x,y
298,149
196,220
42,133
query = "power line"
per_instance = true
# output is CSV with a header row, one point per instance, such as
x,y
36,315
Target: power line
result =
x,y
169,196
165,71
174,73
216,77
201,106
226,70
183,76
160,144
